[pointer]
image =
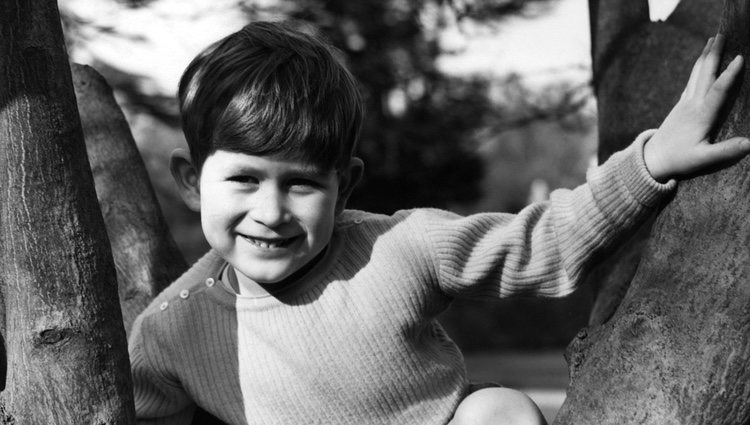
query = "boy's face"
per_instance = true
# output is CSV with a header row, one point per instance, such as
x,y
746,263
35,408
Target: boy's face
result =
x,y
267,217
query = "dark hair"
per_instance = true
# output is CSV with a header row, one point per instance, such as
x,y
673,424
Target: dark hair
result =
x,y
269,90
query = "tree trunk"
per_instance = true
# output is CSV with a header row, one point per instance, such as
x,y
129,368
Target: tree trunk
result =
x,y
640,68
676,350
145,255
66,349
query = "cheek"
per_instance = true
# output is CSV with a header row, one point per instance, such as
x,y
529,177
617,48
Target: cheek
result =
x,y
216,207
321,217
211,225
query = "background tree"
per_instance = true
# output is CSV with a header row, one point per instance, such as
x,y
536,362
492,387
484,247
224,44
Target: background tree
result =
x,y
676,349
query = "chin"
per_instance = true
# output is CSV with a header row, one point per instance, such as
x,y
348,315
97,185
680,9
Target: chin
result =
x,y
268,278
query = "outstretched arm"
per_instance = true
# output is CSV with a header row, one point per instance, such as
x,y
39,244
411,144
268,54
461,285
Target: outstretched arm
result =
x,y
681,145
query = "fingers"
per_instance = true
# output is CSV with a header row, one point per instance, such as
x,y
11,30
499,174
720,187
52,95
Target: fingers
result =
x,y
719,89
728,150
695,73
710,65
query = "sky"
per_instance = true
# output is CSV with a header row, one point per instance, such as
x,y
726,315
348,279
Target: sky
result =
x,y
156,42
660,9
554,45
558,38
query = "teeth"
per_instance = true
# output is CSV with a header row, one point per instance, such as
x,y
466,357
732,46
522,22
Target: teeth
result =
x,y
265,244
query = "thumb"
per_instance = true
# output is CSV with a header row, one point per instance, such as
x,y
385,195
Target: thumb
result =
x,y
727,150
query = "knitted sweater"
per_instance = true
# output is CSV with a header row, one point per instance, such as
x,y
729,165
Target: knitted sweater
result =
x,y
355,341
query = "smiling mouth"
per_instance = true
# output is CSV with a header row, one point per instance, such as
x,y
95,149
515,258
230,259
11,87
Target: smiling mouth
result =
x,y
269,243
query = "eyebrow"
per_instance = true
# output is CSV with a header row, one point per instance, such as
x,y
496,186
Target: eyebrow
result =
x,y
306,169
311,171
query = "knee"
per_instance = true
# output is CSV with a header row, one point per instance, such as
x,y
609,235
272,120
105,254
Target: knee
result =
x,y
498,406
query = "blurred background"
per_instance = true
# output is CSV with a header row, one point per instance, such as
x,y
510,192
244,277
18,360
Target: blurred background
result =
x,y
472,105
475,105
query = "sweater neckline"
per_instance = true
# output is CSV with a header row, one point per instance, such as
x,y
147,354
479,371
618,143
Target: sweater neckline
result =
x,y
292,294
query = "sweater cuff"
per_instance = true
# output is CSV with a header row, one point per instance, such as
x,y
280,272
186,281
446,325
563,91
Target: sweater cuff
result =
x,y
630,168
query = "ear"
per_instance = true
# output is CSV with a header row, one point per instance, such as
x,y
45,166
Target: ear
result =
x,y
186,177
347,181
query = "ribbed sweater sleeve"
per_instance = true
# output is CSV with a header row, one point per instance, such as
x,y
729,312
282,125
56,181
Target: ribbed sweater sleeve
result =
x,y
160,397
158,400
546,249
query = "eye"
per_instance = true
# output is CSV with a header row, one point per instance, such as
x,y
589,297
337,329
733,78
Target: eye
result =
x,y
304,185
243,178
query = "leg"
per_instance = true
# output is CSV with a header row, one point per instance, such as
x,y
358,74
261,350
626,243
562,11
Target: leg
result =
x,y
497,406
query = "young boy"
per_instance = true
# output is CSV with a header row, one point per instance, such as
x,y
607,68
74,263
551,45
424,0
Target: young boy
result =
x,y
304,312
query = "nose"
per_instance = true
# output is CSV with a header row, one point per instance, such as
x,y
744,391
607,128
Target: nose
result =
x,y
270,207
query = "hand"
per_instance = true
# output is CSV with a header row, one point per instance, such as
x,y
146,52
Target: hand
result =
x,y
681,145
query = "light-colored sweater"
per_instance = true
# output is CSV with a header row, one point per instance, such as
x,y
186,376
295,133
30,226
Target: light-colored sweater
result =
x,y
355,341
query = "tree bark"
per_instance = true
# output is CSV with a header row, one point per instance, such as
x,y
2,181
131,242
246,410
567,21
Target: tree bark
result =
x,y
66,348
676,350
640,68
145,255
